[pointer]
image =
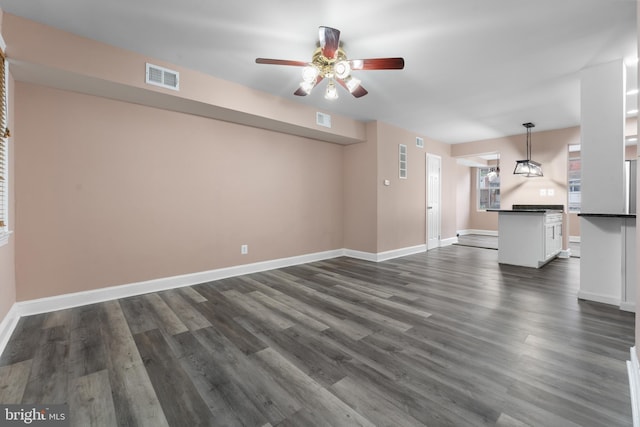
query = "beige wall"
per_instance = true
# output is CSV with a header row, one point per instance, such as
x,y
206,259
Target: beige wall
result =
x,y
7,252
402,205
478,219
381,218
45,55
360,193
548,147
114,193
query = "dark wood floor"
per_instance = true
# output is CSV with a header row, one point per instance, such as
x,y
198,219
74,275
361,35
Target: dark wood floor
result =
x,y
448,338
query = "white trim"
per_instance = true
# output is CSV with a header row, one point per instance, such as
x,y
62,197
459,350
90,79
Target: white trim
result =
x,y
590,296
365,256
8,325
574,239
479,232
438,211
59,302
387,255
76,299
565,253
397,253
448,242
628,306
633,369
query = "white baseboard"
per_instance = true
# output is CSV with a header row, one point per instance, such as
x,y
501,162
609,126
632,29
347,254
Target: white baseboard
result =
x,y
60,302
480,232
628,306
449,241
633,370
574,239
365,256
385,256
76,299
599,298
8,325
565,253
397,253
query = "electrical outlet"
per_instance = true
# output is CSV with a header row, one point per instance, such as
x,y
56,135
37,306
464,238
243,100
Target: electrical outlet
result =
x,y
244,249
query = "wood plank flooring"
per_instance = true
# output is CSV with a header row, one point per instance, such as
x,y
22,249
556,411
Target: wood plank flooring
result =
x,y
447,338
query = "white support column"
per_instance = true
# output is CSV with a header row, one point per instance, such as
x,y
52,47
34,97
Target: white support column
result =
x,y
603,189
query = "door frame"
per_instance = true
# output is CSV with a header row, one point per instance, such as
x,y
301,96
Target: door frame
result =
x,y
439,201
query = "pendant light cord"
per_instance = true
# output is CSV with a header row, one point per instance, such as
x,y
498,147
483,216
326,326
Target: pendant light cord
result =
x,y
528,143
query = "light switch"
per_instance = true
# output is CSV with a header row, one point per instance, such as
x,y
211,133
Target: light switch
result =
x,y
551,192
543,192
387,182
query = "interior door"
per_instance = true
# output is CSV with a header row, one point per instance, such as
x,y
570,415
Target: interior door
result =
x,y
433,201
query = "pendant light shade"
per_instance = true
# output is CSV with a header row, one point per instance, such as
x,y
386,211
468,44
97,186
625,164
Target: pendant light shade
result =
x,y
494,173
528,167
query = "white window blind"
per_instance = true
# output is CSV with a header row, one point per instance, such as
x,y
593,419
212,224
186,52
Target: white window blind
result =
x,y
4,134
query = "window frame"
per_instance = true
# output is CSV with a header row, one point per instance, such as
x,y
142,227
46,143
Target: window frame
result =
x,y
573,182
495,190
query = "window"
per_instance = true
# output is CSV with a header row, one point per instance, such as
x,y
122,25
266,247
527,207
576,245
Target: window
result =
x,y
575,166
402,157
488,189
4,134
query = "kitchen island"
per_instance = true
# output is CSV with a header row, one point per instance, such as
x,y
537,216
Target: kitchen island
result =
x,y
529,235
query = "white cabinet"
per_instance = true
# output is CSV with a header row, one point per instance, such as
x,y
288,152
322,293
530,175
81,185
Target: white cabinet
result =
x,y
553,235
529,238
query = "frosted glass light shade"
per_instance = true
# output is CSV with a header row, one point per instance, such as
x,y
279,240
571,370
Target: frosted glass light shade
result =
x,y
528,168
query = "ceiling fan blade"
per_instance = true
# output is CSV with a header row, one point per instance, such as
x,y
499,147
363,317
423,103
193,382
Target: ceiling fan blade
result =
x,y
358,91
281,62
377,64
302,92
329,41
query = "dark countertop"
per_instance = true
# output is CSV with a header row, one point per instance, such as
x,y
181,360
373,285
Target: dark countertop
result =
x,y
526,210
531,209
607,215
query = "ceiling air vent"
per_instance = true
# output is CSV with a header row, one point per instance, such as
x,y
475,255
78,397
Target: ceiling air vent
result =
x,y
160,76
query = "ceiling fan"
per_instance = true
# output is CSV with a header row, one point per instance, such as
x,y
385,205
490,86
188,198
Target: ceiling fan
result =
x,y
330,62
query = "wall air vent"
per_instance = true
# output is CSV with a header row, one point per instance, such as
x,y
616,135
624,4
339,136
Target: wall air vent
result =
x,y
323,119
163,77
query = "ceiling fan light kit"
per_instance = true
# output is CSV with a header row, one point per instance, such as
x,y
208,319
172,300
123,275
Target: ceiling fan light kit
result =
x,y
528,167
330,62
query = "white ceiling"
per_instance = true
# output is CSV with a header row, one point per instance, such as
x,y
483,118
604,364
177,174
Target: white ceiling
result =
x,y
475,69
